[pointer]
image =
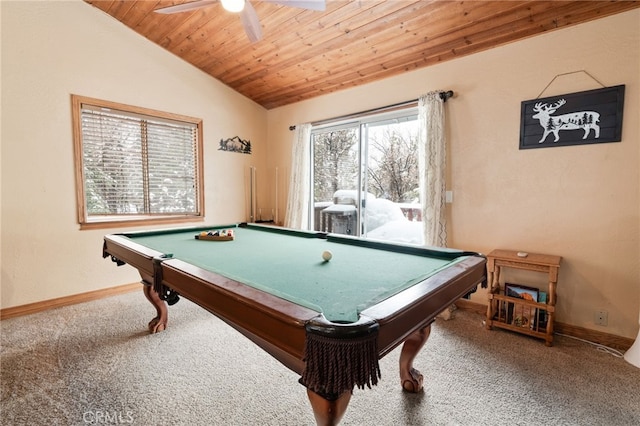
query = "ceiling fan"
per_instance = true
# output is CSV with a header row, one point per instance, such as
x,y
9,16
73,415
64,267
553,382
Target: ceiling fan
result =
x,y
248,15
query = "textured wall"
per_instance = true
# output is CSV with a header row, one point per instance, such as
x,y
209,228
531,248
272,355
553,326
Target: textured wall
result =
x,y
579,202
49,51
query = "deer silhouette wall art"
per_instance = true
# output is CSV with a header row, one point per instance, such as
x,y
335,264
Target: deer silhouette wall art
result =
x,y
579,118
585,120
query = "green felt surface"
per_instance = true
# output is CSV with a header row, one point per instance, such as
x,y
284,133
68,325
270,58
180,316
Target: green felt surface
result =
x,y
290,266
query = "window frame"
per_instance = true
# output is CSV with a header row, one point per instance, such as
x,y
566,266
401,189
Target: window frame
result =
x,y
101,222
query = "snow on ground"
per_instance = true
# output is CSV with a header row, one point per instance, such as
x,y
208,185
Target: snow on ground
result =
x,y
401,231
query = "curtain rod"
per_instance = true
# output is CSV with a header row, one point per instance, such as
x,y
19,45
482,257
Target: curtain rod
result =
x,y
444,95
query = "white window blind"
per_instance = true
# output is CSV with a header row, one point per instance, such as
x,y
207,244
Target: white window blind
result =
x,y
137,165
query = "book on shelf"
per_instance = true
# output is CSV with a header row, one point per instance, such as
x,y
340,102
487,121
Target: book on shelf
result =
x,y
542,315
521,315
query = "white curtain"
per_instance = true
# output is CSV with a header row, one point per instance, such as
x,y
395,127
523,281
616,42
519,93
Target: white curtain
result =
x,y
432,160
297,213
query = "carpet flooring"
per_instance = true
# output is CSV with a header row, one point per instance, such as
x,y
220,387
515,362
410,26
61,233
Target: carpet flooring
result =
x,y
95,363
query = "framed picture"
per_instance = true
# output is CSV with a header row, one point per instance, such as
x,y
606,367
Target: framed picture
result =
x,y
521,292
593,116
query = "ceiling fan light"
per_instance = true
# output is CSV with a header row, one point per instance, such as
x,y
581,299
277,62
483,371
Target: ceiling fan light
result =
x,y
233,5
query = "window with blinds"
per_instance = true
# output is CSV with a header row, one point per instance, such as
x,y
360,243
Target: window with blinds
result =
x,y
135,164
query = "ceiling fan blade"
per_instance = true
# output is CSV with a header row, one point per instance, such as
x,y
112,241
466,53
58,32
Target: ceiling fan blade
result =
x,y
302,4
251,22
186,6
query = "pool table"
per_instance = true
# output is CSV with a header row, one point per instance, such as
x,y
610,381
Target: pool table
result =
x,y
329,321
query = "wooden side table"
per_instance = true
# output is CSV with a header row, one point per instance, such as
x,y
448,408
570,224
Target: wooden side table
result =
x,y
501,304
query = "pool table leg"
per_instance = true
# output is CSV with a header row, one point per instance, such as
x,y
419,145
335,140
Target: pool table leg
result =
x,y
328,412
411,378
159,323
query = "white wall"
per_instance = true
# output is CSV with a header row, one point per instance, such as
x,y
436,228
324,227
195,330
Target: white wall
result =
x,y
579,202
49,51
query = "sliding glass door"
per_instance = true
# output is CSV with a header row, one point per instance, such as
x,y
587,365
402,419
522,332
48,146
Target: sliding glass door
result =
x,y
336,178
365,177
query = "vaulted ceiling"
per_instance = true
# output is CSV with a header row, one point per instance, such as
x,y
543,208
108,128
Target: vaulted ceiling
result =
x,y
306,53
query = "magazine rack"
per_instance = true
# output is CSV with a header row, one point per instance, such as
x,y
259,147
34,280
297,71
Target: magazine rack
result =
x,y
523,315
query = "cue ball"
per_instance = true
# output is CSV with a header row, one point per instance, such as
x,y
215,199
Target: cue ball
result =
x,y
326,255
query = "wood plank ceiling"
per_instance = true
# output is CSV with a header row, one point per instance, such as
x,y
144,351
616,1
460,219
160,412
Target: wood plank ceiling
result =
x,y
305,53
